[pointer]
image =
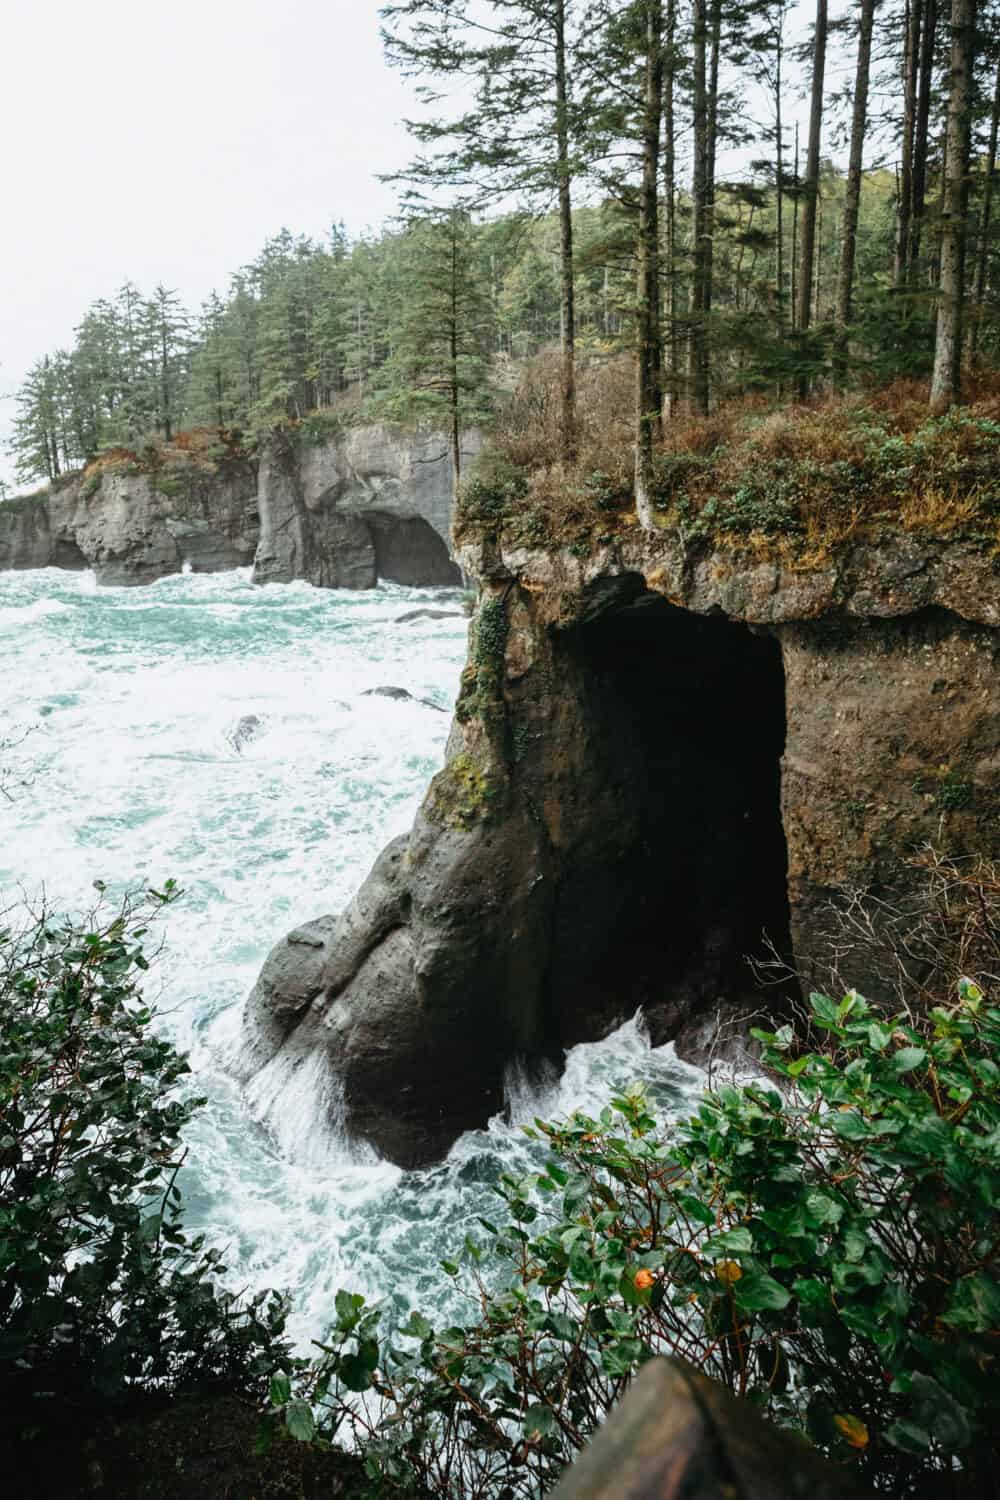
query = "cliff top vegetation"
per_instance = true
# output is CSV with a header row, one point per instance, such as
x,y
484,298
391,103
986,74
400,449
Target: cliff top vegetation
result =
x,y
790,481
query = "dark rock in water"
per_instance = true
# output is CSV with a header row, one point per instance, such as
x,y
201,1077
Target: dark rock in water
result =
x,y
250,727
346,985
660,754
402,696
289,981
387,692
428,614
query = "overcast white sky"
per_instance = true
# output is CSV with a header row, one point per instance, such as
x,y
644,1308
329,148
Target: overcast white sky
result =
x,y
165,141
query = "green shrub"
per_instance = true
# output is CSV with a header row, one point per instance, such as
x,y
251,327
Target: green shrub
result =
x,y
495,490
827,1249
317,428
100,1289
491,633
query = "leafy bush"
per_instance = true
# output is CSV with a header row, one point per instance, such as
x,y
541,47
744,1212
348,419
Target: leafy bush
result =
x,y
317,428
826,1249
495,489
100,1289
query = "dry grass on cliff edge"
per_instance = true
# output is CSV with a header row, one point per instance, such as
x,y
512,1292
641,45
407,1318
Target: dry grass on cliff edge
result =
x,y
790,482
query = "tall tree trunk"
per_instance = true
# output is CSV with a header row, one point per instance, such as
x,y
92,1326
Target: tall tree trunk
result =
x,y
456,430
811,195
793,260
670,206
983,248
946,381
708,264
852,188
698,387
918,183
911,51
779,176
165,383
818,261
567,311
648,364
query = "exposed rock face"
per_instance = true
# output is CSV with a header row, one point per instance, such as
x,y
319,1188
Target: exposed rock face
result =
x,y
659,756
370,503
374,504
132,526
25,535
339,553
376,467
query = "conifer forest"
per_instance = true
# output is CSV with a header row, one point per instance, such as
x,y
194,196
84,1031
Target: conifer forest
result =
x,y
750,196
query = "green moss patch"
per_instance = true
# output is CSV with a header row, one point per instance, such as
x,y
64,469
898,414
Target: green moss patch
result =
x,y
464,793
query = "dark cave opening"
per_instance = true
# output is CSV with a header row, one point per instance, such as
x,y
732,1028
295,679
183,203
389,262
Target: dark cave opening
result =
x,y
680,874
409,551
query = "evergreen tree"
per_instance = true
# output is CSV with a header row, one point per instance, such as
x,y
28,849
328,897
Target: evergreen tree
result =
x,y
211,390
984,246
852,191
166,336
648,363
38,423
526,135
811,186
441,335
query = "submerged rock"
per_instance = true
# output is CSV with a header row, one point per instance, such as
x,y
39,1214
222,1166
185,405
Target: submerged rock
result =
x,y
249,727
401,695
428,614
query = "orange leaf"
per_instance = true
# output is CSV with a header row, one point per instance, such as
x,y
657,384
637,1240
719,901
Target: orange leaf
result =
x,y
852,1430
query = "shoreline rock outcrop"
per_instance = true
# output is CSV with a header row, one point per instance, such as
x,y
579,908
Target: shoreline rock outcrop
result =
x,y
343,514
133,526
366,503
664,758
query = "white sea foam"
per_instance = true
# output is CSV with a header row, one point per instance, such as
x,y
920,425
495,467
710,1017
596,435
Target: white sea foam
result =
x,y
21,616
132,694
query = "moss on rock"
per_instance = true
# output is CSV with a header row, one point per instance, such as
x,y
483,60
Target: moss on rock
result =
x,y
464,794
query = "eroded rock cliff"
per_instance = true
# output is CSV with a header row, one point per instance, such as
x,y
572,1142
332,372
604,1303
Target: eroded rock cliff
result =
x,y
134,525
340,510
374,503
664,758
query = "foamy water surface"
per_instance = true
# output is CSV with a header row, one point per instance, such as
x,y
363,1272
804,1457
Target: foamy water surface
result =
x,y
225,736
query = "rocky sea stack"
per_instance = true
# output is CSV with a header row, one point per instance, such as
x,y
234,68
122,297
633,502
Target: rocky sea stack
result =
x,y
666,758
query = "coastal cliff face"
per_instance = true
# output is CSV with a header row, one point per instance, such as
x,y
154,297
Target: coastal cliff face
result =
x,y
367,503
132,526
374,504
665,758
